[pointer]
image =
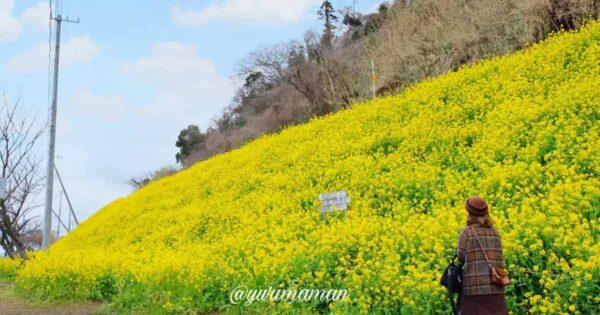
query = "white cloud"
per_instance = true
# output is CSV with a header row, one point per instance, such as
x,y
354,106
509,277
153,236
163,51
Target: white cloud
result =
x,y
189,88
79,50
263,11
107,107
75,50
12,26
37,16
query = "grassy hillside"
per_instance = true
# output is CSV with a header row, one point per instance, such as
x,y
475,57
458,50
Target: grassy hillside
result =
x,y
522,131
408,41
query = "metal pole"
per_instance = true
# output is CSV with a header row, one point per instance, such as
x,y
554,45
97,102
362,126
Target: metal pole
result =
x,y
59,220
59,215
66,195
51,146
373,77
69,227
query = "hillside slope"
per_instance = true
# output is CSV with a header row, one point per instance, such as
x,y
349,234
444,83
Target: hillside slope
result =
x,y
408,41
522,131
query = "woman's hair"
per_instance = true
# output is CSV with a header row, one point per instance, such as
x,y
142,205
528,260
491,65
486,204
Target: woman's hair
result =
x,y
483,221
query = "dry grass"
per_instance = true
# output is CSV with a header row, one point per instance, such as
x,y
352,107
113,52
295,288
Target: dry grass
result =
x,y
429,37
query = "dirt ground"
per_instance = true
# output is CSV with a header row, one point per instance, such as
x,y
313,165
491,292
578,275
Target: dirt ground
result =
x,y
11,304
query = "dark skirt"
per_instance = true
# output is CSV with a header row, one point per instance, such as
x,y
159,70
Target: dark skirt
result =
x,y
493,304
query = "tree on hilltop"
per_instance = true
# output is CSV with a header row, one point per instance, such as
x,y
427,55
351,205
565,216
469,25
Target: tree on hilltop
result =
x,y
327,14
188,139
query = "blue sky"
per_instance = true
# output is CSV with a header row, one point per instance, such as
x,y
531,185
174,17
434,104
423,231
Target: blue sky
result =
x,y
134,73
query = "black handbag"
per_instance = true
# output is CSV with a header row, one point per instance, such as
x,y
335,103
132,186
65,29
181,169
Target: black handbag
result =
x,y
452,280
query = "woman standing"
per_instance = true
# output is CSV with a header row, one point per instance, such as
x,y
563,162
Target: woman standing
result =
x,y
479,295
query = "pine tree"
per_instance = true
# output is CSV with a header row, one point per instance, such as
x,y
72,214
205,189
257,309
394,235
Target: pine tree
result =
x,y
327,13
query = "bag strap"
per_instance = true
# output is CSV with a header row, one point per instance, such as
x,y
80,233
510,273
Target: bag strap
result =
x,y
481,246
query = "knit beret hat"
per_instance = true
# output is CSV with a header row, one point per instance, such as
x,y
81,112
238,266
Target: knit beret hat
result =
x,y
476,206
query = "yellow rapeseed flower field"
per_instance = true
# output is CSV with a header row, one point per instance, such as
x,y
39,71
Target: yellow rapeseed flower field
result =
x,y
522,131
9,268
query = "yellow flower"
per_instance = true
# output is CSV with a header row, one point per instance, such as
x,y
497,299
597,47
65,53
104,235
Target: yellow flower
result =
x,y
520,130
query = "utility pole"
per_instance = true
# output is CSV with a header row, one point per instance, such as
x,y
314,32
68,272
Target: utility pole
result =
x,y
51,146
373,76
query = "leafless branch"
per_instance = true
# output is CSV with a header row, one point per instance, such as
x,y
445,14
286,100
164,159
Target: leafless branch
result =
x,y
19,134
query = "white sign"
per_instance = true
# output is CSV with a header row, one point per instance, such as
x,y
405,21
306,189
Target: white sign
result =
x,y
2,187
334,201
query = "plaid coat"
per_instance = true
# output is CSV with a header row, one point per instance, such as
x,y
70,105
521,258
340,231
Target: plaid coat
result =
x,y
476,272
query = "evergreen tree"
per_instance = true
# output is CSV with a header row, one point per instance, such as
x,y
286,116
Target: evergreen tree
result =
x,y
327,14
189,140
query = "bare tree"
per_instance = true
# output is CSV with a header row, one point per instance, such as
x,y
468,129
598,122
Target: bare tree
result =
x,y
19,134
270,62
141,181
